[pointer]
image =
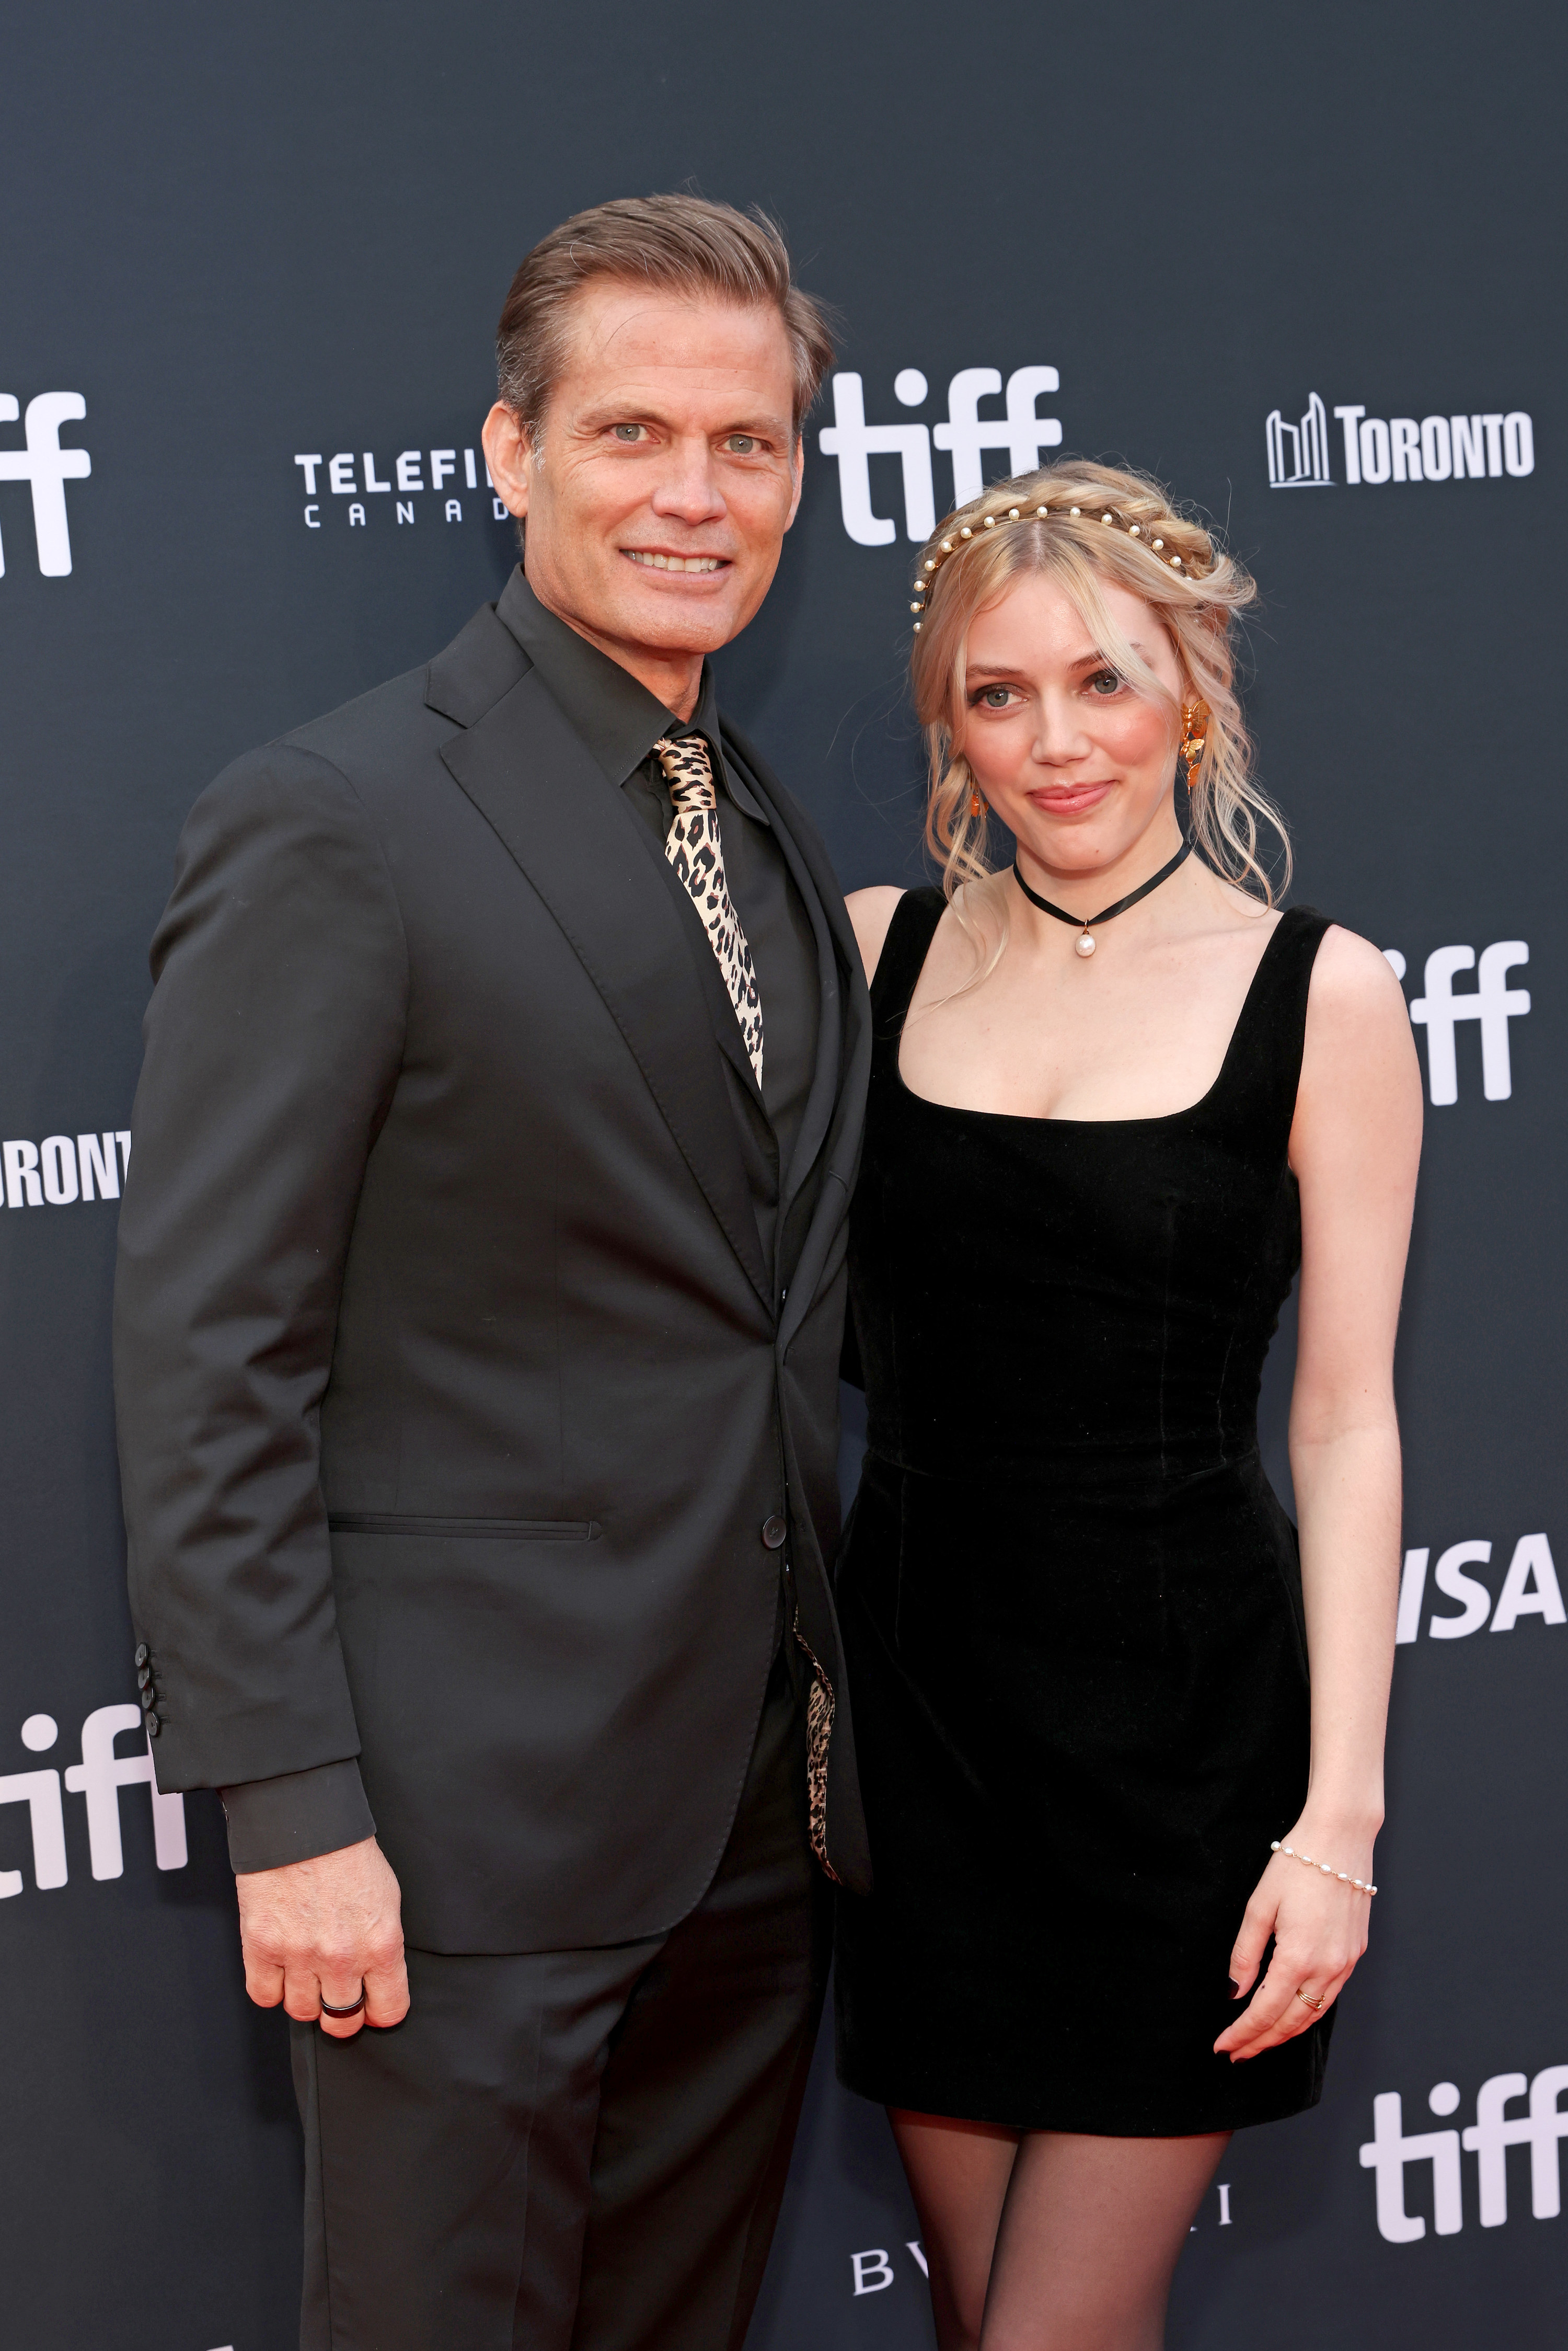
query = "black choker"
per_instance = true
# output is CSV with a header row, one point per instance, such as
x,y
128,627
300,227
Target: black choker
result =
x,y
1085,945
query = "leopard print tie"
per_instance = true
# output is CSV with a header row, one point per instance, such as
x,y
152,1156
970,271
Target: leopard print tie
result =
x,y
693,847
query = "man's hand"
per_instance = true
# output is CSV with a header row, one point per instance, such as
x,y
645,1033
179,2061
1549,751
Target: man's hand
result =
x,y
312,1929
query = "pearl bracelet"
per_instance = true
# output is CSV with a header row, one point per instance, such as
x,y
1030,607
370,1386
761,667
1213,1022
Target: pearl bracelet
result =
x,y
1344,1876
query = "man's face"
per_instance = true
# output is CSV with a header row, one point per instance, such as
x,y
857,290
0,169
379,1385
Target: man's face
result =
x,y
667,474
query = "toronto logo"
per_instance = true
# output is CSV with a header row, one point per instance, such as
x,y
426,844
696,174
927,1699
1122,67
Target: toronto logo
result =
x,y
1452,447
1299,454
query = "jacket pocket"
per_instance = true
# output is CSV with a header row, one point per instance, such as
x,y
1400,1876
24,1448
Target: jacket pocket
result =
x,y
406,1522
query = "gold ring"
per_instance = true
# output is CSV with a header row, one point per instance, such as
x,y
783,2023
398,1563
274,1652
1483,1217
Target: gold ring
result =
x,y
1301,1996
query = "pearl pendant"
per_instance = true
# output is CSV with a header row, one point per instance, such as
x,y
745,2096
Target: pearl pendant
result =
x,y
1084,946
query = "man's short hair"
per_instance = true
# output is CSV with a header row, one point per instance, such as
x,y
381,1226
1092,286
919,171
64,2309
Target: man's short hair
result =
x,y
681,244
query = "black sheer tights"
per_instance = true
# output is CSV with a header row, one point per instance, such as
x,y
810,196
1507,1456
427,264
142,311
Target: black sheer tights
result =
x,y
1050,2241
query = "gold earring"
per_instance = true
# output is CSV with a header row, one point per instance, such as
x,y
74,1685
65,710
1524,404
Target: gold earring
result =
x,y
1194,714
977,806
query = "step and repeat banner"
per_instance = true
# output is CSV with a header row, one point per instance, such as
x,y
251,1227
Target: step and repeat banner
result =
x,y
1297,263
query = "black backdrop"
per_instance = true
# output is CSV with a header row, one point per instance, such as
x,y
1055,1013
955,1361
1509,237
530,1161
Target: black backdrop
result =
x,y
238,238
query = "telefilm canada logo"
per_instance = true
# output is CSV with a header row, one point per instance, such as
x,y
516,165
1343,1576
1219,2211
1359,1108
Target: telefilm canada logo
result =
x,y
46,467
1449,447
354,476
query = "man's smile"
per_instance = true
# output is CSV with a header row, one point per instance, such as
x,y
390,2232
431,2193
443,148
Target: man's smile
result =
x,y
657,561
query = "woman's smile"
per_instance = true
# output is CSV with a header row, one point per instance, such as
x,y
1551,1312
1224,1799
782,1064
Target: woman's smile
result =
x,y
1067,800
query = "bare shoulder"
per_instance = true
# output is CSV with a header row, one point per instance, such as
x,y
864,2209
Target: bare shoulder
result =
x,y
872,911
1360,1075
1353,990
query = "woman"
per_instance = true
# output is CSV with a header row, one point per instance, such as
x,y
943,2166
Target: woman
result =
x,y
1117,1099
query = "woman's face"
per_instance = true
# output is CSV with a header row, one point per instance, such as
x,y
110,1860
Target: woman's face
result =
x,y
1075,763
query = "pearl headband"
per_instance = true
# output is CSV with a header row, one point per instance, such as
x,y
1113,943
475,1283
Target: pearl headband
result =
x,y
932,564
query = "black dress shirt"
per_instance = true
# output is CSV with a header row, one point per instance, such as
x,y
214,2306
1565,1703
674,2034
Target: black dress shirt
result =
x,y
619,721
303,1813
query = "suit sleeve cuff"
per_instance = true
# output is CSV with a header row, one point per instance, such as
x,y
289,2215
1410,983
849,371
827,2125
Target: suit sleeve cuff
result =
x,y
296,1816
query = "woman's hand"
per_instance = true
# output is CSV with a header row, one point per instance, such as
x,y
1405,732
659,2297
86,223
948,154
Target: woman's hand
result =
x,y
1320,1931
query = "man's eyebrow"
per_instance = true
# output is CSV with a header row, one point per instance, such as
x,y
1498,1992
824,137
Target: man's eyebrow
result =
x,y
611,410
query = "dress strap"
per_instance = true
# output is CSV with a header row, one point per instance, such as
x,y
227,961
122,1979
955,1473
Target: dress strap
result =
x,y
1263,1069
903,956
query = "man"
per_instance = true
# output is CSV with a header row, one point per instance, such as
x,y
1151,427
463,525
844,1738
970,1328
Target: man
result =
x,y
478,1325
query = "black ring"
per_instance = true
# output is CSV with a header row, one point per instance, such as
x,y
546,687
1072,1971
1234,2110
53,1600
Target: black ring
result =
x,y
353,2009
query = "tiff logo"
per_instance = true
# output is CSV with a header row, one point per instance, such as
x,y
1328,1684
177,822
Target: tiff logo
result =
x,y
47,468
1541,2128
98,1780
964,436
1491,1003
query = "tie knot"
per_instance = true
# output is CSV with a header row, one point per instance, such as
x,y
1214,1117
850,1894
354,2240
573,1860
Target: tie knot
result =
x,y
688,770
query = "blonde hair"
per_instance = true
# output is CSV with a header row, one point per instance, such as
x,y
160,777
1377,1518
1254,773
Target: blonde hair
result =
x,y
1101,525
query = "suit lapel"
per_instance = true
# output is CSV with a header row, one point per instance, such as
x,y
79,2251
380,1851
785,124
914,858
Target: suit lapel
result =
x,y
824,1089
835,1112
571,833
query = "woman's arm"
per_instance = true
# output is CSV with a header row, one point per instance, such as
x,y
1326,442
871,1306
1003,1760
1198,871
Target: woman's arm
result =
x,y
871,912
1355,1146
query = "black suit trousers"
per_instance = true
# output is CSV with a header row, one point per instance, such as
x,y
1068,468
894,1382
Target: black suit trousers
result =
x,y
579,2150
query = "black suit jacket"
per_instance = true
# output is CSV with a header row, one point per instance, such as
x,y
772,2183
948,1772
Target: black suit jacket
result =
x,y
453,1391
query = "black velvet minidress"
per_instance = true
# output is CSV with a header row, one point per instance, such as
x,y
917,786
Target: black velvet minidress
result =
x,y
1070,1599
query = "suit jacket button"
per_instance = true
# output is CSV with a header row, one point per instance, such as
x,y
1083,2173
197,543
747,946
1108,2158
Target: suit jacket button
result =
x,y
149,1700
143,1653
154,1726
143,1677
774,1531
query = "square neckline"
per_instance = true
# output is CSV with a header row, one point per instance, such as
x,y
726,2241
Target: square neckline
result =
x,y
1028,1118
